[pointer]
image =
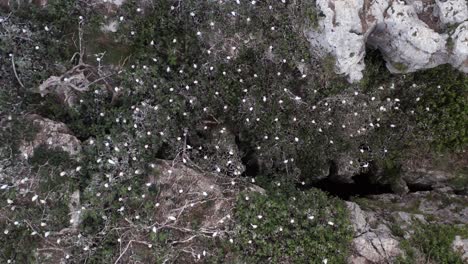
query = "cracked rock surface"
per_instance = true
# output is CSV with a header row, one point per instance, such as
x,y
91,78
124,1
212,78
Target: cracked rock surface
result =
x,y
411,35
370,245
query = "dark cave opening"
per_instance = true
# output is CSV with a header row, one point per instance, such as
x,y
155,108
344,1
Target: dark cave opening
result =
x,y
419,188
362,185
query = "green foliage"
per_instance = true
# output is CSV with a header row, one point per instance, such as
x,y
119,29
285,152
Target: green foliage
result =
x,y
14,132
84,119
435,100
43,155
460,182
162,26
410,255
18,245
275,239
434,242
376,72
444,108
92,222
172,98
400,66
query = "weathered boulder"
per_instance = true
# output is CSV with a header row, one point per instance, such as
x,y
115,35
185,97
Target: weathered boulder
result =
x,y
452,11
370,245
193,197
428,170
406,42
411,35
459,40
443,206
461,246
342,36
52,134
66,87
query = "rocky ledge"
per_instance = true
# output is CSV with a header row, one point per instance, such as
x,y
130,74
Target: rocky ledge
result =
x,y
411,35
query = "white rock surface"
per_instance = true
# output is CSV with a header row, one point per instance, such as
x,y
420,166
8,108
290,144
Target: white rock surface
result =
x,y
459,59
75,209
405,40
411,35
52,134
461,246
370,245
452,11
346,41
115,2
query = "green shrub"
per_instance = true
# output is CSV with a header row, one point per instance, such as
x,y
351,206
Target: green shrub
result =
x,y
435,242
444,109
275,239
14,132
18,246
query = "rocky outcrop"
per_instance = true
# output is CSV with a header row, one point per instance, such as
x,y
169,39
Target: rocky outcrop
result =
x,y
451,12
459,42
370,245
428,170
74,206
66,87
461,246
442,205
411,35
51,134
387,219
191,196
341,36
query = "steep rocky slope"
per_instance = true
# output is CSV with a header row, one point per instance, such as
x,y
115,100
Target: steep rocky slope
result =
x,y
211,132
411,35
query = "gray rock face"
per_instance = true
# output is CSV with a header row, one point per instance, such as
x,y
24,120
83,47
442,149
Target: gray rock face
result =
x,y
370,245
452,12
408,43
461,246
429,170
374,241
179,183
442,205
342,36
411,35
75,208
52,134
460,47
426,177
66,87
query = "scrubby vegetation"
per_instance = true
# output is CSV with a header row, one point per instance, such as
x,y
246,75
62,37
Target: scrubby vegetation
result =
x,y
223,87
432,242
292,227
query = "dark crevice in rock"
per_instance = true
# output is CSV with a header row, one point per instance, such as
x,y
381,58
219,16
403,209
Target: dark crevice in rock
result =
x,y
249,157
362,186
419,188
252,166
